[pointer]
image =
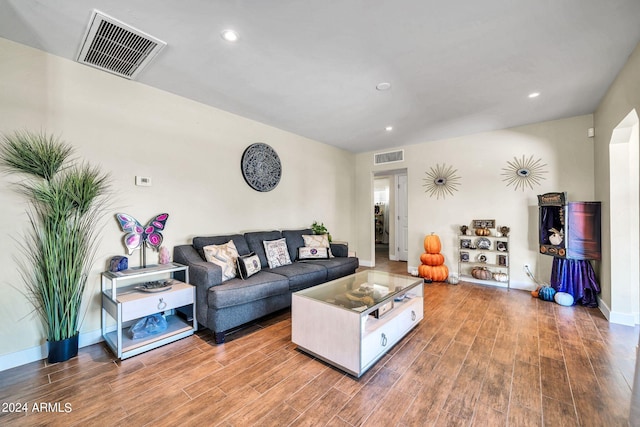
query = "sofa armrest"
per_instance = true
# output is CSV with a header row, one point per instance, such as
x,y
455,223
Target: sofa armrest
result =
x,y
202,274
339,249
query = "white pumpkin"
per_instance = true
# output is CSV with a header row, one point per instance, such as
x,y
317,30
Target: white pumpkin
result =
x,y
563,298
500,277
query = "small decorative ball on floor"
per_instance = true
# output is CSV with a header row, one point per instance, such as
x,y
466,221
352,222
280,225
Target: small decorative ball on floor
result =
x,y
563,298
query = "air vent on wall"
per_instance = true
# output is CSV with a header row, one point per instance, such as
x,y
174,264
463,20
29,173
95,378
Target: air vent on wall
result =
x,y
388,157
113,46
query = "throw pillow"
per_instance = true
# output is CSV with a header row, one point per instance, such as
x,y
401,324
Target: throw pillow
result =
x,y
276,252
317,241
313,253
224,256
248,265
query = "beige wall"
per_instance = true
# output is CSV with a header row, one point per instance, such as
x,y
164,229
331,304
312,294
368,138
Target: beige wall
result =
x,y
622,97
191,151
479,159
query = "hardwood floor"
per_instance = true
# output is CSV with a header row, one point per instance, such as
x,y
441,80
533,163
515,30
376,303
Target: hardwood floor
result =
x,y
482,356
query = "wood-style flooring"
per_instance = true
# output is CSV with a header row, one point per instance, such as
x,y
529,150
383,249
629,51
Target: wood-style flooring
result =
x,y
482,356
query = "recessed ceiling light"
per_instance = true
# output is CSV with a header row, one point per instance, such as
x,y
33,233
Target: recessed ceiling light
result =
x,y
389,128
229,35
534,94
383,86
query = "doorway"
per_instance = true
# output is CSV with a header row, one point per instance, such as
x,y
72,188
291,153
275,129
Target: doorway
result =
x,y
390,218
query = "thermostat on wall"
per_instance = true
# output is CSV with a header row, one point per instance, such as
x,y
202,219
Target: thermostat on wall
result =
x,y
144,181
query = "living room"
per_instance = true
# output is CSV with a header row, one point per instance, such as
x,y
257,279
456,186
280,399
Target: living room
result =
x,y
192,152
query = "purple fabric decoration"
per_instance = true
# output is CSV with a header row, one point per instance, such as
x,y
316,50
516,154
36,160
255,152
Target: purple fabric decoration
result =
x,y
575,277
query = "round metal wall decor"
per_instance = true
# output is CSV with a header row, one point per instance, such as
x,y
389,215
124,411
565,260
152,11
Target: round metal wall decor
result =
x,y
261,167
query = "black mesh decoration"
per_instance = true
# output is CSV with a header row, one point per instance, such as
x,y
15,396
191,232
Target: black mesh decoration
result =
x,y
261,167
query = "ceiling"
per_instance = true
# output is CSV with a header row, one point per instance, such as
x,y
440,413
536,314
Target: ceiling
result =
x,y
311,66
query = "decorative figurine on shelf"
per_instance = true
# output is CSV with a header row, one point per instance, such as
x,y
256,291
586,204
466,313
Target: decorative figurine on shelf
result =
x,y
463,230
118,263
556,237
504,230
165,256
137,235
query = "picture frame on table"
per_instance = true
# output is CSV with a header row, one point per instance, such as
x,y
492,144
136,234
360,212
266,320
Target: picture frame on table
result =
x,y
465,243
464,256
503,260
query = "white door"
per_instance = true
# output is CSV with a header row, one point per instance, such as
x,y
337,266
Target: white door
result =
x,y
402,219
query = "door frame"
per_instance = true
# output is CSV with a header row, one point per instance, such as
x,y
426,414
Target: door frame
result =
x,y
392,173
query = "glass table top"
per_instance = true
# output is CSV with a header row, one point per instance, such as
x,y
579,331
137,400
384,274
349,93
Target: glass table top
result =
x,y
363,290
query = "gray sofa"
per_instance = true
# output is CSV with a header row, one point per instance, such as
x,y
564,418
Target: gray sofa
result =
x,y
224,306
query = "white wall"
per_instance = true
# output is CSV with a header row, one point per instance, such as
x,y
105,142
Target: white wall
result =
x,y
479,159
191,151
621,99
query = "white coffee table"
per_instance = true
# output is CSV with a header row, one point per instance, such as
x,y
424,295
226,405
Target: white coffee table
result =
x,y
353,321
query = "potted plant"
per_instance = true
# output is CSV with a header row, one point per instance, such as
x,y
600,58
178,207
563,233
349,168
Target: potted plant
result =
x,y
320,229
65,203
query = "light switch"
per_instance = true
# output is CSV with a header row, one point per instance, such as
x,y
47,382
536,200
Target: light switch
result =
x,y
143,181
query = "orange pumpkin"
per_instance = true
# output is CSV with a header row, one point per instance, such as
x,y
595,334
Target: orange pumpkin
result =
x,y
483,232
432,244
432,259
422,270
437,273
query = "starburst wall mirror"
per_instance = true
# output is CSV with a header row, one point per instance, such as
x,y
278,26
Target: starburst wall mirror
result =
x,y
524,172
441,180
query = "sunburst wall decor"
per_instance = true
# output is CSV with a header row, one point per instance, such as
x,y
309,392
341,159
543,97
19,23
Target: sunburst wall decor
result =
x,y
523,172
441,180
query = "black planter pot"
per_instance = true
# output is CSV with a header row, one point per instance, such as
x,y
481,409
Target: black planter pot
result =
x,y
60,351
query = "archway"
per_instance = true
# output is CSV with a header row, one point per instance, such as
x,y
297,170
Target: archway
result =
x,y
624,160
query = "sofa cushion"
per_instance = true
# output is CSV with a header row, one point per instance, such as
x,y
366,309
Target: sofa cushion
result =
x,y
336,267
295,240
276,252
238,241
254,240
317,241
305,252
223,255
302,275
237,291
248,265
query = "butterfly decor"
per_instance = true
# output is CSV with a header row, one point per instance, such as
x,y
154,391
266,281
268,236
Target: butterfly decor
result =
x,y
138,235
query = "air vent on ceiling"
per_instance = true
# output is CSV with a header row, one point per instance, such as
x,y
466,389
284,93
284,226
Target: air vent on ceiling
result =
x,y
388,157
118,48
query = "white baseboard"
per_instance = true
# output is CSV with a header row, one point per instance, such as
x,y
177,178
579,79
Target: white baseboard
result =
x,y
604,308
33,354
627,319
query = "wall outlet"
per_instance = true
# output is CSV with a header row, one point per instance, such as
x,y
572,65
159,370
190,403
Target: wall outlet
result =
x,y
143,181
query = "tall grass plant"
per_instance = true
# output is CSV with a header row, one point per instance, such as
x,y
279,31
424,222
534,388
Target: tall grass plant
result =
x,y
66,202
